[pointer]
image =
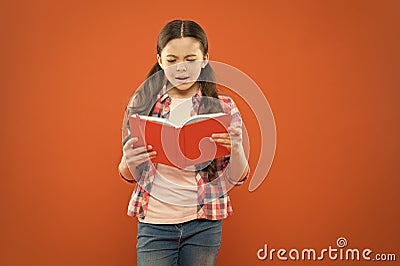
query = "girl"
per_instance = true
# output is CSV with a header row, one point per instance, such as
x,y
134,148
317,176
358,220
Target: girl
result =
x,y
180,210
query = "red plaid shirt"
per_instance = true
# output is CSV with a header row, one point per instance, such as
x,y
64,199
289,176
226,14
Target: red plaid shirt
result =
x,y
213,200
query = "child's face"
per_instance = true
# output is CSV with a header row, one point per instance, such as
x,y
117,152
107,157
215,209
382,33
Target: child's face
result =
x,y
182,61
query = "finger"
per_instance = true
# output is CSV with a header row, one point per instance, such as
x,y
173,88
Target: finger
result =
x,y
146,156
131,141
131,150
220,135
138,159
129,146
222,141
227,136
132,154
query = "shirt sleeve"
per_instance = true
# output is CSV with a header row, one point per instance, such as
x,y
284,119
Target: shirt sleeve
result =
x,y
229,106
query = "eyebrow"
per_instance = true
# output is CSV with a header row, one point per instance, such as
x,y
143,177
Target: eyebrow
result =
x,y
171,55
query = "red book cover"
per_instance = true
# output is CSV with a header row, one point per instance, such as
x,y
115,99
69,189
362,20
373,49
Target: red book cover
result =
x,y
181,145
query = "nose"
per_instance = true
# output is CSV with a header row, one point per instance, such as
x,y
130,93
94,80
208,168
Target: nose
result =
x,y
181,67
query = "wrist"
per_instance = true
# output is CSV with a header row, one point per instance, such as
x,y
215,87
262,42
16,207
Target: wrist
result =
x,y
237,148
124,171
239,180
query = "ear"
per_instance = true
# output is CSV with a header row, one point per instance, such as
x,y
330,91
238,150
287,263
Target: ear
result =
x,y
205,61
159,61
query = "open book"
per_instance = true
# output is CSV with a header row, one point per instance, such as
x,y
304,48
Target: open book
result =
x,y
181,145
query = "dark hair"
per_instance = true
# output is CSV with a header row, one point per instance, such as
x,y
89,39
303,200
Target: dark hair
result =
x,y
146,95
148,92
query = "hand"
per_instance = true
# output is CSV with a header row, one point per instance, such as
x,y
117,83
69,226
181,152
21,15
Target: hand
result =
x,y
239,167
134,156
232,139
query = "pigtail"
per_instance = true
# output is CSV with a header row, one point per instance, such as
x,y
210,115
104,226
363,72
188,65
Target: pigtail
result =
x,y
209,104
146,95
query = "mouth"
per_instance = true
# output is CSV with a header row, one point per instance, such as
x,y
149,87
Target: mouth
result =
x,y
182,78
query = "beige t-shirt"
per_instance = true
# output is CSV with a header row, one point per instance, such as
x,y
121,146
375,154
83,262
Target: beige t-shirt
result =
x,y
173,196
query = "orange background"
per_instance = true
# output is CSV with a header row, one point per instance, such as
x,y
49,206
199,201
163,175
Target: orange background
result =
x,y
329,69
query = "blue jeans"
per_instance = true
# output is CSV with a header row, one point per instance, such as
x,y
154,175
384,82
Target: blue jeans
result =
x,y
191,243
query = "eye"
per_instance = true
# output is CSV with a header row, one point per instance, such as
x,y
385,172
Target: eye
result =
x,y
171,60
191,60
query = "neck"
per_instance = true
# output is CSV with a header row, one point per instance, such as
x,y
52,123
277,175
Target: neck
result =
x,y
190,92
